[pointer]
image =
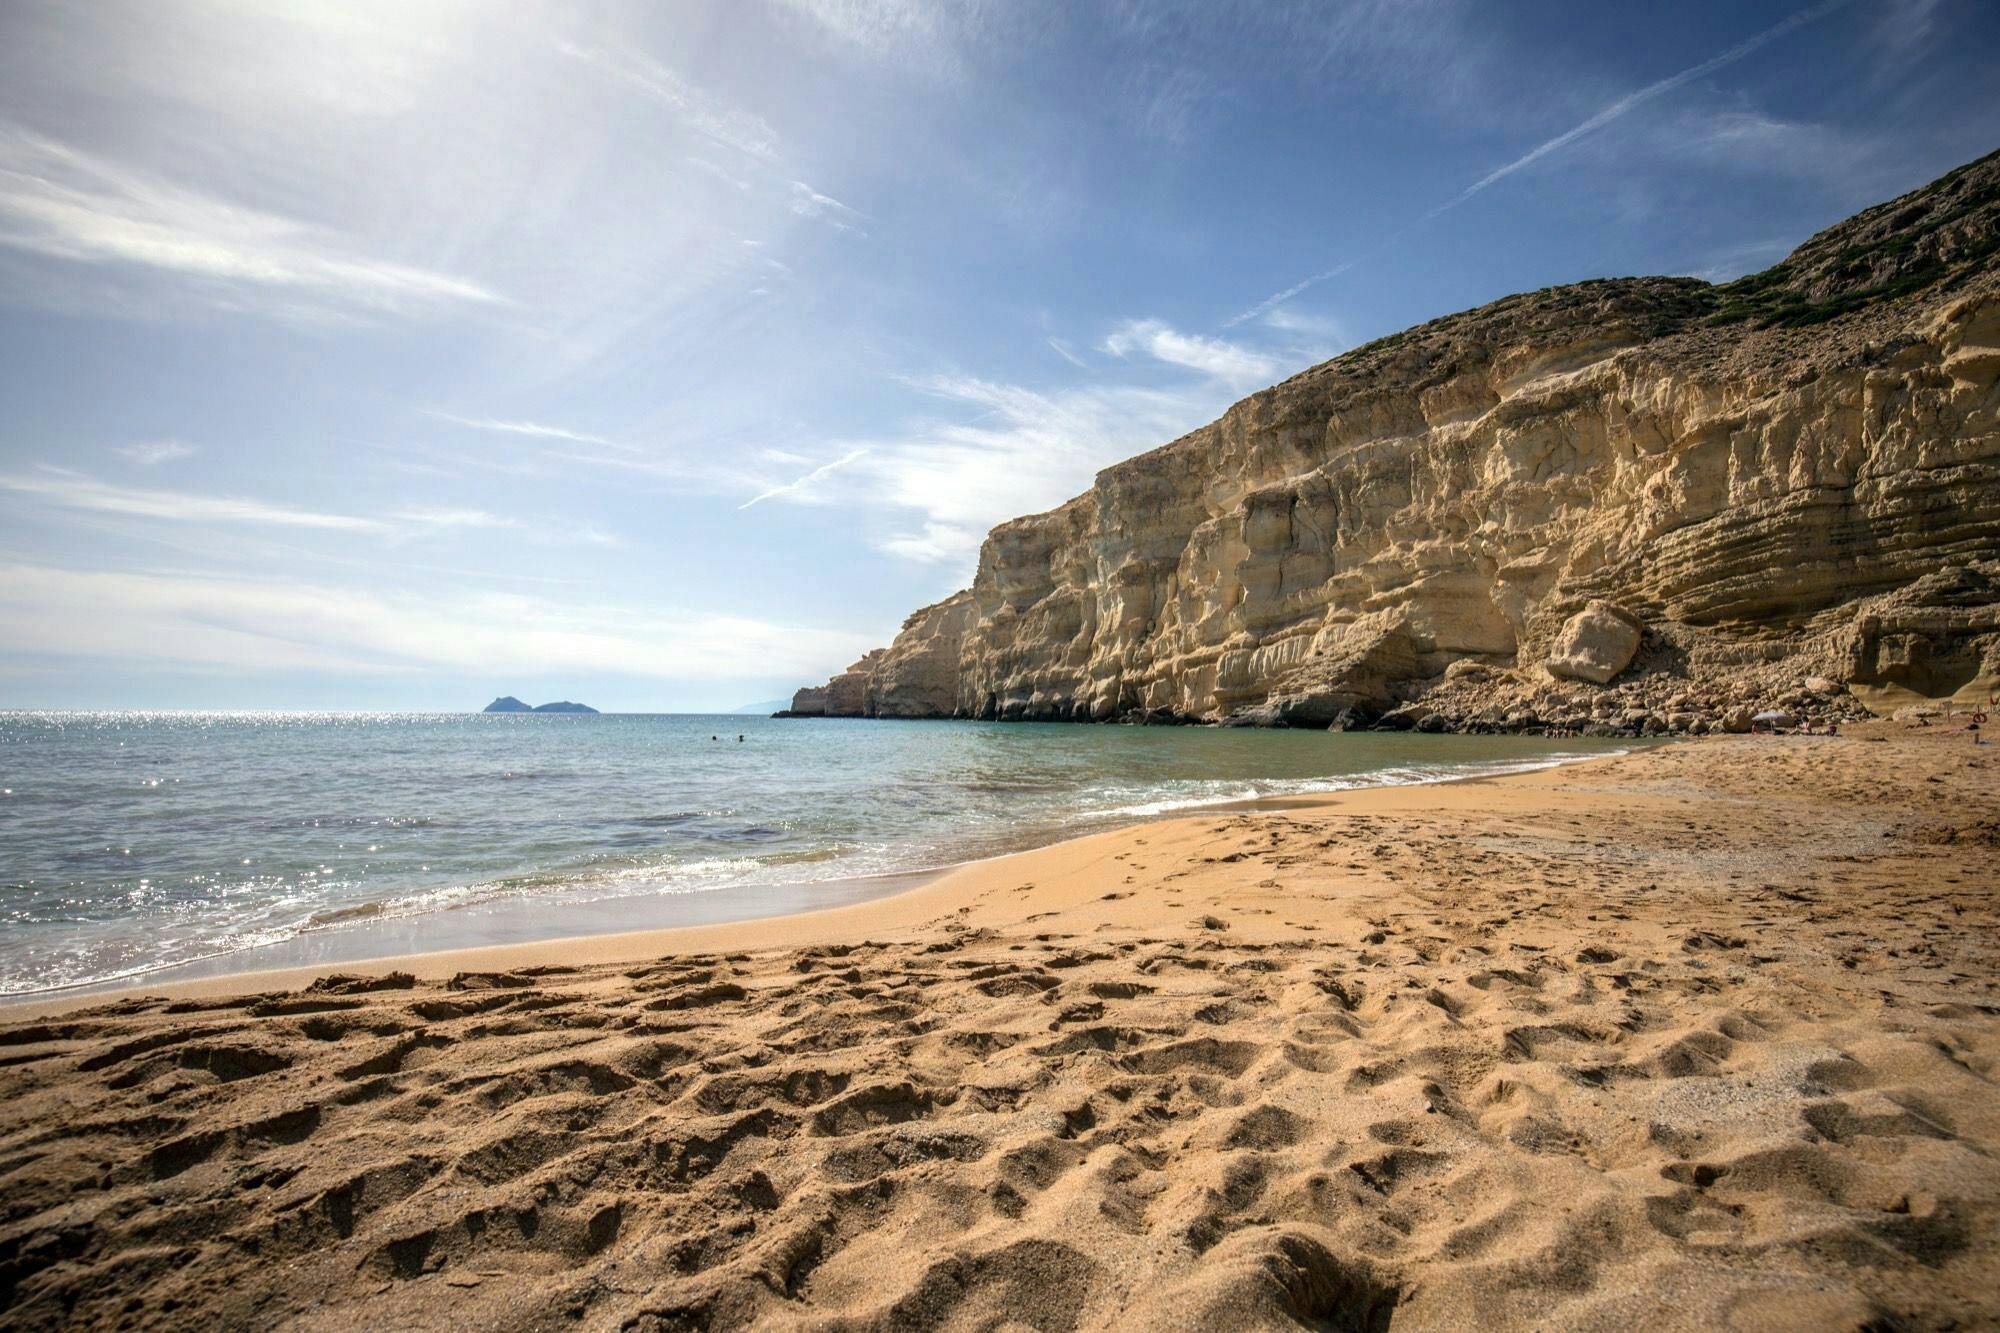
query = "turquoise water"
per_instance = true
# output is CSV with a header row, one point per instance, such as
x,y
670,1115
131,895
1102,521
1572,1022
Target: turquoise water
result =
x,y
136,842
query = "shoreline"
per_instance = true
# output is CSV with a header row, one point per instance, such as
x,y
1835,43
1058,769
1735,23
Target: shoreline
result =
x,y
56,1000
1695,1036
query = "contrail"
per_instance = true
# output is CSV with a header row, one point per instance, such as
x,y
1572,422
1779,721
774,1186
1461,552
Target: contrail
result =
x,y
803,482
1810,14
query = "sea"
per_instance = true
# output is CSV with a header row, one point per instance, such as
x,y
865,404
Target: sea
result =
x,y
171,845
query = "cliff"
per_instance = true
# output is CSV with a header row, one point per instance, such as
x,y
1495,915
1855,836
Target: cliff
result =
x,y
1636,504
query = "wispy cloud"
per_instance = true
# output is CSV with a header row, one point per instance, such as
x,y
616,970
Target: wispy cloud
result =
x,y
1736,260
707,471
69,490
248,624
699,111
920,34
714,119
550,532
62,203
992,451
930,490
152,453
1007,450
803,486
1622,107
1068,353
1226,361
1304,324
533,429
1311,280
454,518
810,203
1632,101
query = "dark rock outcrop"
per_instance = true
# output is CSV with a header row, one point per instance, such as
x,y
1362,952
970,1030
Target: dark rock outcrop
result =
x,y
507,703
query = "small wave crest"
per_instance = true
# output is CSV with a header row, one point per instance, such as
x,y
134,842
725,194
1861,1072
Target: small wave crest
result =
x,y
1196,795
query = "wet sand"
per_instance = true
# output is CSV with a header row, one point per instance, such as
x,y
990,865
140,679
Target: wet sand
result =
x,y
1701,1036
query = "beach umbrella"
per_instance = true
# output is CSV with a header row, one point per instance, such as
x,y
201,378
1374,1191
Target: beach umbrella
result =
x,y
1772,715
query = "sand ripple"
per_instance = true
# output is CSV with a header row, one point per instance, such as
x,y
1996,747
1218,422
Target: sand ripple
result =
x,y
1327,1069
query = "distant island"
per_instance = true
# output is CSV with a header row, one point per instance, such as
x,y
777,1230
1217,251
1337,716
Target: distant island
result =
x,y
507,703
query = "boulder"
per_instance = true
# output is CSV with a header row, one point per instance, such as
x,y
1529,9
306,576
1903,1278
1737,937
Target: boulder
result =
x,y
1401,719
1353,669
1596,644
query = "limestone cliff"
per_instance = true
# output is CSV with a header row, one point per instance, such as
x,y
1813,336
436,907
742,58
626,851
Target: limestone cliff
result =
x,y
1629,503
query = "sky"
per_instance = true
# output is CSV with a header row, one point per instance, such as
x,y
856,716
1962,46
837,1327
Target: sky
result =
x,y
398,354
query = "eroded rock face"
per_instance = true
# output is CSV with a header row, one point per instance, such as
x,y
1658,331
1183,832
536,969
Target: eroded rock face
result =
x,y
1794,474
1595,644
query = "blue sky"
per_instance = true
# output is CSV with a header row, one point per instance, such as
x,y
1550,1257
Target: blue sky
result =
x,y
400,354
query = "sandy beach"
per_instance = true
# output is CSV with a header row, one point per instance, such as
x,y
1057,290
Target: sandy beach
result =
x,y
1699,1036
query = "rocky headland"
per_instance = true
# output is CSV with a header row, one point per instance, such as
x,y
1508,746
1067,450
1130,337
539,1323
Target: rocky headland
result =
x,y
507,703
1634,505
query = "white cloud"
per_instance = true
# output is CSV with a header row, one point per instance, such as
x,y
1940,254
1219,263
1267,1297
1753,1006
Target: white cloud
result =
x,y
721,173
935,543
1276,299
62,203
1001,450
1284,319
1226,361
1068,353
454,518
931,490
802,488
543,453
1734,261
152,453
706,115
922,34
810,203
534,429
248,624
71,491
1856,164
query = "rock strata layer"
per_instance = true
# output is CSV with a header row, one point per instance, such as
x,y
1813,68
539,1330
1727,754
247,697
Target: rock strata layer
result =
x,y
1629,505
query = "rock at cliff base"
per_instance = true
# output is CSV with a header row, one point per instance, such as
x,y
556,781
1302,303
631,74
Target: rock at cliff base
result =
x,y
1351,676
1596,644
